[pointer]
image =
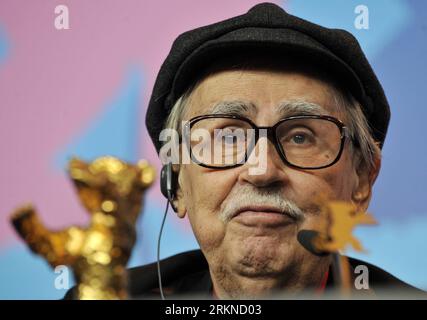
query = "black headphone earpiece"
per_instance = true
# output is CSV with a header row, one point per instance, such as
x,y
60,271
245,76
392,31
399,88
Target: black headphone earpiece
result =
x,y
168,183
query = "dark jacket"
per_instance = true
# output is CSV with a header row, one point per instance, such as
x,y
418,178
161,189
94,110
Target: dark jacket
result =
x,y
186,275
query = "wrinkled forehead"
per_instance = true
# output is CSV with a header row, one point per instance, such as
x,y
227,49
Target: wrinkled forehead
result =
x,y
218,89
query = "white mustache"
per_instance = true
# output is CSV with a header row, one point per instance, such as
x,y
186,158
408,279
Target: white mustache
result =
x,y
246,195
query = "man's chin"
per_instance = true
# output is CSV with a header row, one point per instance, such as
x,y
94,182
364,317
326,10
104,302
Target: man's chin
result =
x,y
262,256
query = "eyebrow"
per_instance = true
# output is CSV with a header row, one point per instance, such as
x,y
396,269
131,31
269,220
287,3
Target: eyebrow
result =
x,y
299,107
285,109
236,107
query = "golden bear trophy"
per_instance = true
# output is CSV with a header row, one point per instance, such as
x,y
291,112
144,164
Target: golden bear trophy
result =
x,y
112,191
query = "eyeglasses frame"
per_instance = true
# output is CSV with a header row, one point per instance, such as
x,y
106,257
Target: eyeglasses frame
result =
x,y
271,135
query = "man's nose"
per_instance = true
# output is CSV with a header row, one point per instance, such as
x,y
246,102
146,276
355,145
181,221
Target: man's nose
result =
x,y
264,166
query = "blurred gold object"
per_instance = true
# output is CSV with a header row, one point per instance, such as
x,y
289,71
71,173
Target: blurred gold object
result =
x,y
112,191
336,234
341,219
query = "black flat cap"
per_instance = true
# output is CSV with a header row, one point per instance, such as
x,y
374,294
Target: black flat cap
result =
x,y
266,26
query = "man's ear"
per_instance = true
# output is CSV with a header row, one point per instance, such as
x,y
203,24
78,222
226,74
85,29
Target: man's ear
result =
x,y
365,180
178,201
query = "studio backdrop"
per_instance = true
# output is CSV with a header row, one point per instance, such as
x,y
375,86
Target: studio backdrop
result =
x,y
80,84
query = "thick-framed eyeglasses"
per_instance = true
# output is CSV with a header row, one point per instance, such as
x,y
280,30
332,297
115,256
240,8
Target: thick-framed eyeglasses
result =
x,y
220,141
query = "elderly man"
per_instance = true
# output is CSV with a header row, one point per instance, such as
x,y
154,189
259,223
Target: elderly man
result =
x,y
314,118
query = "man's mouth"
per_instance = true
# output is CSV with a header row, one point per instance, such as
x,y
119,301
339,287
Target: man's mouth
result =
x,y
262,216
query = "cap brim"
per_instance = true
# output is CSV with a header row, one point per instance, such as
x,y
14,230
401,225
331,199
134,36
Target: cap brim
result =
x,y
281,41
